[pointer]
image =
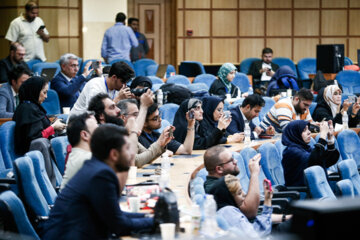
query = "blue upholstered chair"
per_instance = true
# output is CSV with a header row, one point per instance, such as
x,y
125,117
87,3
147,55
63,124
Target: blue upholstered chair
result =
x,y
202,173
246,64
206,78
269,102
305,67
348,170
350,81
7,143
38,67
179,79
191,68
312,107
141,65
32,62
243,177
164,124
282,61
242,81
59,144
52,103
345,188
155,80
13,204
348,61
122,60
196,87
156,86
168,111
317,183
349,145
271,163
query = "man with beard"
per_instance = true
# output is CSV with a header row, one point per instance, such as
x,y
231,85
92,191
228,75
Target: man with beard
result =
x,y
289,109
29,30
88,207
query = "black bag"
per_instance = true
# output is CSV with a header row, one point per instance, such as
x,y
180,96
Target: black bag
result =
x,y
175,93
166,210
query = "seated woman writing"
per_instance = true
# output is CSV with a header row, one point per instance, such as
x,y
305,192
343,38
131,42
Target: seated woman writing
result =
x,y
329,107
298,155
33,128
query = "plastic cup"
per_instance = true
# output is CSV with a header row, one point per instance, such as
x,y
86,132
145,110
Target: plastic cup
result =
x,y
167,231
134,204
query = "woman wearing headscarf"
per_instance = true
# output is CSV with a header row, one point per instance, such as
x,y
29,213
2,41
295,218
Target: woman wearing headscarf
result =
x,y
329,107
31,120
222,85
298,155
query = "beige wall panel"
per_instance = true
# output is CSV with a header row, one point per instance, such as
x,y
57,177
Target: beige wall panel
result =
x,y
56,21
180,23
224,23
334,3
6,16
354,45
198,21
74,22
223,50
304,47
278,3
180,51
280,46
73,3
93,37
180,3
354,22
57,3
278,23
306,23
354,3
224,3
197,4
8,3
250,48
197,50
306,3
4,48
333,22
251,3
251,23
74,46
55,48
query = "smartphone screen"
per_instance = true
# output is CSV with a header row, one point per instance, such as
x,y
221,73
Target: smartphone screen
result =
x,y
268,184
191,114
41,27
171,132
95,65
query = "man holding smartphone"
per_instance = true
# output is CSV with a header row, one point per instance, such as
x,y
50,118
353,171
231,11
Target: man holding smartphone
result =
x,y
29,30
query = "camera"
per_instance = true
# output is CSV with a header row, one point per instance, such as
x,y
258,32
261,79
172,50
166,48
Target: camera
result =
x,y
95,65
157,95
139,91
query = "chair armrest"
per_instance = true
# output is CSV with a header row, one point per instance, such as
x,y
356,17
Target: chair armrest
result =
x,y
8,180
293,195
4,187
282,188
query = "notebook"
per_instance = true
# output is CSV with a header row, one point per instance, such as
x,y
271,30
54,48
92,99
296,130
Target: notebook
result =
x,y
48,73
161,71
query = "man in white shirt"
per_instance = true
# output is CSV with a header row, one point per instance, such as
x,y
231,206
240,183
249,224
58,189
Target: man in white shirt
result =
x,y
114,85
79,131
29,30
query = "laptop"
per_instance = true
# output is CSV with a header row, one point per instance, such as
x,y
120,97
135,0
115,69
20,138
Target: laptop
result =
x,y
161,71
48,73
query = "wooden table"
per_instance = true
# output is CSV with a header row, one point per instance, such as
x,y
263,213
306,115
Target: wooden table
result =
x,y
327,76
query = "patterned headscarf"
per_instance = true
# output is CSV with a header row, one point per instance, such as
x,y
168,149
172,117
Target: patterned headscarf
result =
x,y
225,69
328,97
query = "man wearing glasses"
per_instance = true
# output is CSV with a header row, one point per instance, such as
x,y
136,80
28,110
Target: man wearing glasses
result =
x,y
153,122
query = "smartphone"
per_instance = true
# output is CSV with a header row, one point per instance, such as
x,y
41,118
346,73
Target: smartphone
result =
x,y
268,184
95,65
191,114
171,132
227,114
352,99
41,27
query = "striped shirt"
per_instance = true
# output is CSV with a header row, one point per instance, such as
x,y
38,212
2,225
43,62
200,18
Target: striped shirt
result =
x,y
281,114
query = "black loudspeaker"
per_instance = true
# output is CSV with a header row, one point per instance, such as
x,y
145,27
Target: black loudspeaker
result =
x,y
330,58
326,219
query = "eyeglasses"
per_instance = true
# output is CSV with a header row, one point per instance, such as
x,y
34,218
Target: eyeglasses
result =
x,y
231,160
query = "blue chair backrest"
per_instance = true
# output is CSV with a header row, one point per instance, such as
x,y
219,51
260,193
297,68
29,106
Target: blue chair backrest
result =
x,y
156,80
196,87
349,80
305,67
312,107
156,87
206,78
122,60
246,64
348,61
17,210
7,143
32,62
164,124
168,111
236,103
141,65
202,173
178,79
280,147
59,144
269,102
317,183
271,163
242,81
348,170
28,185
191,68
42,178
52,103
243,177
346,188
282,61
349,145
38,67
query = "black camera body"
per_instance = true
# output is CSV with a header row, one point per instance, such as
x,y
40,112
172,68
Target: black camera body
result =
x,y
139,91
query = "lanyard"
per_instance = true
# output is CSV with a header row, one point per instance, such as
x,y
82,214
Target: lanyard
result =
x,y
107,90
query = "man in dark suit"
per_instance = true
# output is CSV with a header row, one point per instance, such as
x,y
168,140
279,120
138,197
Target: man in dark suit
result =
x,y
244,114
88,207
16,57
263,70
66,83
9,92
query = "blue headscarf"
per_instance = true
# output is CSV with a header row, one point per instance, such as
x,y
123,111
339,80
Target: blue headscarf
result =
x,y
225,69
209,106
291,136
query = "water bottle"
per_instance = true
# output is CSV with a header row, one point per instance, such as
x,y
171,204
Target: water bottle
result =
x,y
345,120
247,132
165,171
160,97
239,93
209,225
195,219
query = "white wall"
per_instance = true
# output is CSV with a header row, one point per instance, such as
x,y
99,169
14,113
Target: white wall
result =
x,y
97,17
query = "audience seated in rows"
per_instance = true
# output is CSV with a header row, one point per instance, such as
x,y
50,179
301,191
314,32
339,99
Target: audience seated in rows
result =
x,y
33,128
329,107
79,131
15,58
88,207
298,155
9,92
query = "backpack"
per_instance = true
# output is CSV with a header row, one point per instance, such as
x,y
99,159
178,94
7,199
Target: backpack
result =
x,y
175,93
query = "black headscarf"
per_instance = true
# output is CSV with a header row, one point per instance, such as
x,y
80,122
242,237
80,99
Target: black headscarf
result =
x,y
180,121
209,106
292,135
141,80
222,194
